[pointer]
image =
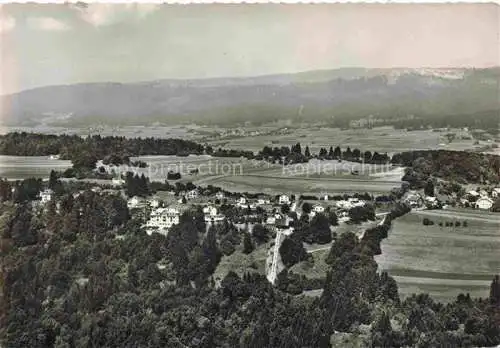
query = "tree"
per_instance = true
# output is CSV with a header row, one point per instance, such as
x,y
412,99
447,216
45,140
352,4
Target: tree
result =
x,y
285,209
306,208
248,245
429,188
332,218
86,159
292,251
331,154
261,234
307,153
362,213
367,156
337,153
211,251
356,153
348,153
495,290
52,180
320,229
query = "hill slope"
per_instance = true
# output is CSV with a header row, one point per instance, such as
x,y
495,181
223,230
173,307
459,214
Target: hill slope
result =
x,y
320,95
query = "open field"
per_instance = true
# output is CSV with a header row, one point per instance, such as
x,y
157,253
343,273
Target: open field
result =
x,y
241,263
443,261
381,139
21,167
276,185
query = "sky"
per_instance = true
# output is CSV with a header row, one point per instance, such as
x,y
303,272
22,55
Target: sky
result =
x,y
53,44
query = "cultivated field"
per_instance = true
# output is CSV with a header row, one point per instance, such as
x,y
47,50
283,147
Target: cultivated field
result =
x,y
294,185
381,139
22,167
443,261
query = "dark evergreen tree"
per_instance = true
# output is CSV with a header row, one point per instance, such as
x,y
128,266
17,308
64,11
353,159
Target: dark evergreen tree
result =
x,y
248,245
307,153
337,153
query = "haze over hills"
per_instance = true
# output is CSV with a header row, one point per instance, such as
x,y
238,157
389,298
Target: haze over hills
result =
x,y
340,94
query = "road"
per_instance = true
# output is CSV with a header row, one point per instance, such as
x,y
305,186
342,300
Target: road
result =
x,y
273,271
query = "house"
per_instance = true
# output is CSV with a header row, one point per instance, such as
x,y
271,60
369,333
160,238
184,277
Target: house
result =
x,y
210,210
271,220
135,202
96,189
414,200
483,193
431,202
484,203
242,202
117,182
211,215
154,203
219,195
495,192
163,219
192,194
284,199
318,208
356,202
473,194
46,195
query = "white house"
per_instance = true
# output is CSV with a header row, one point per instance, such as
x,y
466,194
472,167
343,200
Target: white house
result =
x,y
154,203
484,203
163,218
271,220
192,194
473,193
117,182
356,202
495,192
46,195
135,202
431,202
219,195
318,208
211,215
210,210
263,201
284,199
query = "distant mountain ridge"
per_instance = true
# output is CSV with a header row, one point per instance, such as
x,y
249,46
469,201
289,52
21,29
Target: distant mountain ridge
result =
x,y
317,95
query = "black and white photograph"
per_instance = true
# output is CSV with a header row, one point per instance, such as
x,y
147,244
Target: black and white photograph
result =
x,y
272,175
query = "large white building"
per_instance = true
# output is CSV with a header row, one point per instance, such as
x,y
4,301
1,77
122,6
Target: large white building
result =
x,y
318,208
46,195
117,182
284,199
135,202
350,203
484,203
193,194
212,216
163,219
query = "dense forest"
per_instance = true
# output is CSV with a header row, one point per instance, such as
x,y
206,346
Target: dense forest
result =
x,y
80,272
460,166
84,152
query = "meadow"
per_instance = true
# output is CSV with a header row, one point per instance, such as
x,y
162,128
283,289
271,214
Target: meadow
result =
x,y
381,139
443,261
21,167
